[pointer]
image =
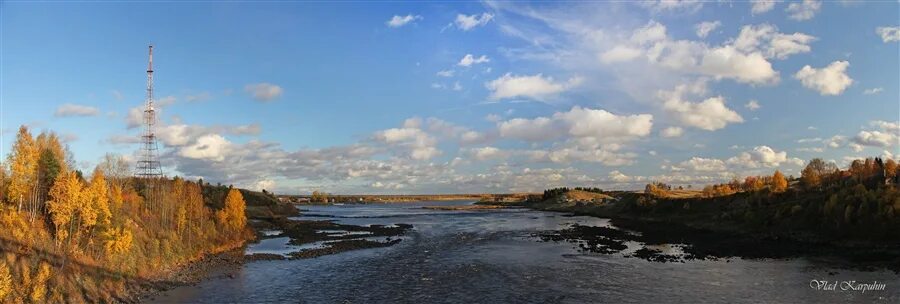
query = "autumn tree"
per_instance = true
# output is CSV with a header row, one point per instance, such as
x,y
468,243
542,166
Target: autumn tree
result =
x,y
320,197
117,240
779,183
753,183
812,176
23,168
890,168
4,182
66,196
232,215
98,200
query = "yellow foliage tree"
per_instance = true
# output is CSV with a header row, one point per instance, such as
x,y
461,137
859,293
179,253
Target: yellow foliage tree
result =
x,y
232,215
99,197
115,195
6,283
13,223
23,167
118,240
779,183
66,196
39,289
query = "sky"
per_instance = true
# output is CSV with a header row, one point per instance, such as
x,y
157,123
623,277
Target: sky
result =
x,y
459,97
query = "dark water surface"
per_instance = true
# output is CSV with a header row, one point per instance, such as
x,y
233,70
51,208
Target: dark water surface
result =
x,y
490,256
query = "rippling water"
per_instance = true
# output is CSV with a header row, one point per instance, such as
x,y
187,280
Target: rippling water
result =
x,y
491,257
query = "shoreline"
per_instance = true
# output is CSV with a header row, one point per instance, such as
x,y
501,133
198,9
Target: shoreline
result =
x,y
708,240
223,263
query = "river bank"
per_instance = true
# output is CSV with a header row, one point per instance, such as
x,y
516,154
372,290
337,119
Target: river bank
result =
x,y
695,237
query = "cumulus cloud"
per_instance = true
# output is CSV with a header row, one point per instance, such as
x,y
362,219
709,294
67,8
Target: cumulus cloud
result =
x,y
468,22
700,164
486,153
752,105
887,136
209,147
710,114
830,80
672,132
70,109
469,60
766,38
888,33
579,122
398,21
620,53
265,184
805,10
704,28
727,61
763,157
264,91
535,87
419,144
762,6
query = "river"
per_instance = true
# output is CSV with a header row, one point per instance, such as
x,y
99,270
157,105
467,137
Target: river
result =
x,y
490,256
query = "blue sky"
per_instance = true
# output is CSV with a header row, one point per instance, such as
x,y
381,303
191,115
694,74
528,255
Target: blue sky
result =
x,y
390,97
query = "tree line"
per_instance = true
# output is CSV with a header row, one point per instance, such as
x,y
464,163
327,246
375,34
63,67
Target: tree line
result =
x,y
142,227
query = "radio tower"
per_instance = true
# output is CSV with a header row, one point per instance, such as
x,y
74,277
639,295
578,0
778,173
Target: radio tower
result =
x,y
148,164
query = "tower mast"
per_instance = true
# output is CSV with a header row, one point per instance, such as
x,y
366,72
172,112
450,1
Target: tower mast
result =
x,y
148,165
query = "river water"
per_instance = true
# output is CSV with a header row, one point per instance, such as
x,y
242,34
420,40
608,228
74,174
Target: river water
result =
x,y
490,256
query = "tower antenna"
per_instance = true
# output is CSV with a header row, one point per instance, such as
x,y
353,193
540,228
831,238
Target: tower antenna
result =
x,y
148,165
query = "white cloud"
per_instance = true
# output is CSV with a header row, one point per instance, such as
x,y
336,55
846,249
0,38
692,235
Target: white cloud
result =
x,y
70,109
762,156
618,177
766,38
538,129
417,144
659,6
888,33
486,153
651,32
264,91
445,73
535,87
752,105
888,135
468,22
672,132
265,184
469,60
398,21
830,80
704,28
873,91
727,62
710,114
744,64
209,147
700,164
762,6
593,124
620,53
805,10
492,117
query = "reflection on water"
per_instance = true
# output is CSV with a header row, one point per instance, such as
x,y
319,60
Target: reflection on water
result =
x,y
489,256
